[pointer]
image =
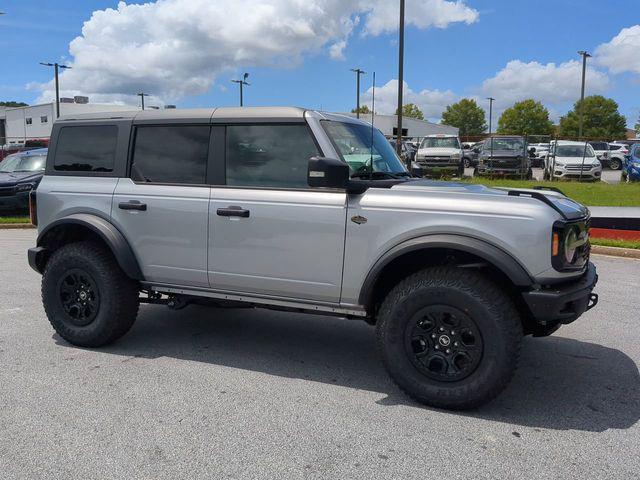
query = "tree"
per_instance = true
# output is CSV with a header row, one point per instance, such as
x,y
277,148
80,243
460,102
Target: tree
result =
x,y
637,127
411,110
364,110
467,116
601,119
525,118
13,104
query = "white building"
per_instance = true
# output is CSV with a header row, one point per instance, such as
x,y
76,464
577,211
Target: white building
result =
x,y
18,124
411,127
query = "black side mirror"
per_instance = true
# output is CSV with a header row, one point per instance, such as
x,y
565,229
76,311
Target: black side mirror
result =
x,y
327,173
476,150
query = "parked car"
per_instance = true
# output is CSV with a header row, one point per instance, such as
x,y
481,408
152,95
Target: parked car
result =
x,y
20,173
470,154
602,152
441,154
139,209
537,153
572,160
631,168
504,156
617,154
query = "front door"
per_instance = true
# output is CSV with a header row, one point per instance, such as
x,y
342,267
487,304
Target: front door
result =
x,y
163,208
269,233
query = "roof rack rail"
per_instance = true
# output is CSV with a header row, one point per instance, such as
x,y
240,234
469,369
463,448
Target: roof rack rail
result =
x,y
551,189
538,196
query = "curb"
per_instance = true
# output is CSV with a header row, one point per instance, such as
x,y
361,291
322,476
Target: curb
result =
x,y
15,226
615,251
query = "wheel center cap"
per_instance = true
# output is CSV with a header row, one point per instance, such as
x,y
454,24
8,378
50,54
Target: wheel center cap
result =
x,y
444,340
83,295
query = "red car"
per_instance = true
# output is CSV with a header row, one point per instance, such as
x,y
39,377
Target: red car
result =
x,y
7,150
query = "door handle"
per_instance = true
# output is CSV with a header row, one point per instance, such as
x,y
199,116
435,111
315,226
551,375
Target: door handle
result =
x,y
233,212
133,205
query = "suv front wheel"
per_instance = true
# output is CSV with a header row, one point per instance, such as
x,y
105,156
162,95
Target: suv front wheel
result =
x,y
449,337
88,299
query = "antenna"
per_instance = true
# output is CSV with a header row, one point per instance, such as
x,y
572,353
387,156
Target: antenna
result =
x,y
373,116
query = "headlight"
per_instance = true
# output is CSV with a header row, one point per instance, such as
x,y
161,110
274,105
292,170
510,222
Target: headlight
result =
x,y
559,164
570,246
25,187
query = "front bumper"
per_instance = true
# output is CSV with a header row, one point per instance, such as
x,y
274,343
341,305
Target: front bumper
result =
x,y
506,171
593,174
563,303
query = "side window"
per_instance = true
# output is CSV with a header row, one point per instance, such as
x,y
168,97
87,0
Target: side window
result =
x,y
86,149
269,155
28,120
44,119
171,154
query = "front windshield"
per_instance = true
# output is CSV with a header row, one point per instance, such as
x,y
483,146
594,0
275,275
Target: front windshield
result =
x,y
574,151
353,142
505,144
440,142
23,163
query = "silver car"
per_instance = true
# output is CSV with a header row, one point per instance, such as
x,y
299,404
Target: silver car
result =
x,y
292,209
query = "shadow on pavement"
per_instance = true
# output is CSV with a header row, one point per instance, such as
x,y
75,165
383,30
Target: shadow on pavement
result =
x,y
561,383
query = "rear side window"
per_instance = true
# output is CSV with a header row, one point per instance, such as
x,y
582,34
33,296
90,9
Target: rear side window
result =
x,y
171,154
269,155
86,149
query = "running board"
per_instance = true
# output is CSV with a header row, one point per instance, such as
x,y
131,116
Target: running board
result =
x,y
266,301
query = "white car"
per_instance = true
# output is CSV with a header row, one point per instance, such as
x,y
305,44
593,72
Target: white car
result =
x,y
572,160
617,153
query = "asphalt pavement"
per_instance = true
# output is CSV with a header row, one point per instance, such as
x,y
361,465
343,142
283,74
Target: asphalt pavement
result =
x,y
212,393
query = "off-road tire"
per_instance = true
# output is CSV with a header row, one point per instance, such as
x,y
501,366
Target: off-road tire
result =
x,y
484,302
118,294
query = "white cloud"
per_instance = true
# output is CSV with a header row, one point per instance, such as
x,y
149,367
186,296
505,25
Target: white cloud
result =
x,y
622,53
431,102
383,15
174,48
550,83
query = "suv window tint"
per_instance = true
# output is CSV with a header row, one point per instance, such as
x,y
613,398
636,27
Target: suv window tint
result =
x,y
171,154
269,155
599,145
86,149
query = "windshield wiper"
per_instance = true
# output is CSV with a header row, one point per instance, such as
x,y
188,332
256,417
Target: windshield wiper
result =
x,y
376,175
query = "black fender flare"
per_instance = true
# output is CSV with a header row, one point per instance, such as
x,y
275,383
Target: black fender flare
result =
x,y
111,236
480,248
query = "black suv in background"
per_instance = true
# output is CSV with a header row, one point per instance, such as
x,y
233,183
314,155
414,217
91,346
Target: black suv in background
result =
x,y
19,174
504,156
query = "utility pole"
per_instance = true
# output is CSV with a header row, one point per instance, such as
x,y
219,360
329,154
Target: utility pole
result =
x,y
491,100
584,55
242,83
400,78
142,95
56,66
358,73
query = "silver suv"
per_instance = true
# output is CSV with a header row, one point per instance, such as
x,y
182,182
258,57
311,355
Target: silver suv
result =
x,y
296,210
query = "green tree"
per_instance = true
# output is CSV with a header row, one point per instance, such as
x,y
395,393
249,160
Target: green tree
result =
x,y
13,104
467,116
363,110
637,127
411,110
525,118
602,120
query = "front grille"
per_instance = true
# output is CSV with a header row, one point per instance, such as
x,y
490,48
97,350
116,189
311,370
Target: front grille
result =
x,y
577,168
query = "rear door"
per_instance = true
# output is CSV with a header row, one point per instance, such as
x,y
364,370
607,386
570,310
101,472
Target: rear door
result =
x,y
162,207
269,233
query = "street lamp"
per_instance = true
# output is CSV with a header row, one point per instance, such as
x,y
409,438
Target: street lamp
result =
x,y
400,78
584,56
491,100
142,95
242,83
56,67
358,73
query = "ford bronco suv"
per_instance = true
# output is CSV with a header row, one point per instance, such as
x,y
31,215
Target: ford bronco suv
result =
x,y
276,208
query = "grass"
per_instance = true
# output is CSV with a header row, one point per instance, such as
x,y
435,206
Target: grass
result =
x,y
608,242
5,220
595,194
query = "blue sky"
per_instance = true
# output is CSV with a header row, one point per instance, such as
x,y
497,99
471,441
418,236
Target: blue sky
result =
x,y
442,64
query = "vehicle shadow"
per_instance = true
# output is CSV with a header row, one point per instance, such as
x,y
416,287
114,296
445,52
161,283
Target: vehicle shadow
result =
x,y
561,383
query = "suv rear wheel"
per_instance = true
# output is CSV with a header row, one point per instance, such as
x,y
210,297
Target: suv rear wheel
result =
x,y
449,337
615,164
88,299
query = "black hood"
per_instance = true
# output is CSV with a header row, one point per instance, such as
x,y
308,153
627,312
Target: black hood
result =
x,y
8,179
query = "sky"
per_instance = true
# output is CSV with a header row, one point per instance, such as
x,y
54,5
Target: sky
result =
x,y
300,52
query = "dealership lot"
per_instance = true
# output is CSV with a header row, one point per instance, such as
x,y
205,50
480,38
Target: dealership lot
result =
x,y
257,394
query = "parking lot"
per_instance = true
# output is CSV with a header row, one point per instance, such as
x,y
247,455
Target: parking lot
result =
x,y
609,176
256,394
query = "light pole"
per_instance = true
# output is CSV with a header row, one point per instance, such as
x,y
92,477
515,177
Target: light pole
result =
x,y
358,73
142,95
242,83
400,78
491,100
584,55
56,66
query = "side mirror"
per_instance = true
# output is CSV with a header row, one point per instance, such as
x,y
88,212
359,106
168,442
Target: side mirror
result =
x,y
476,150
327,173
